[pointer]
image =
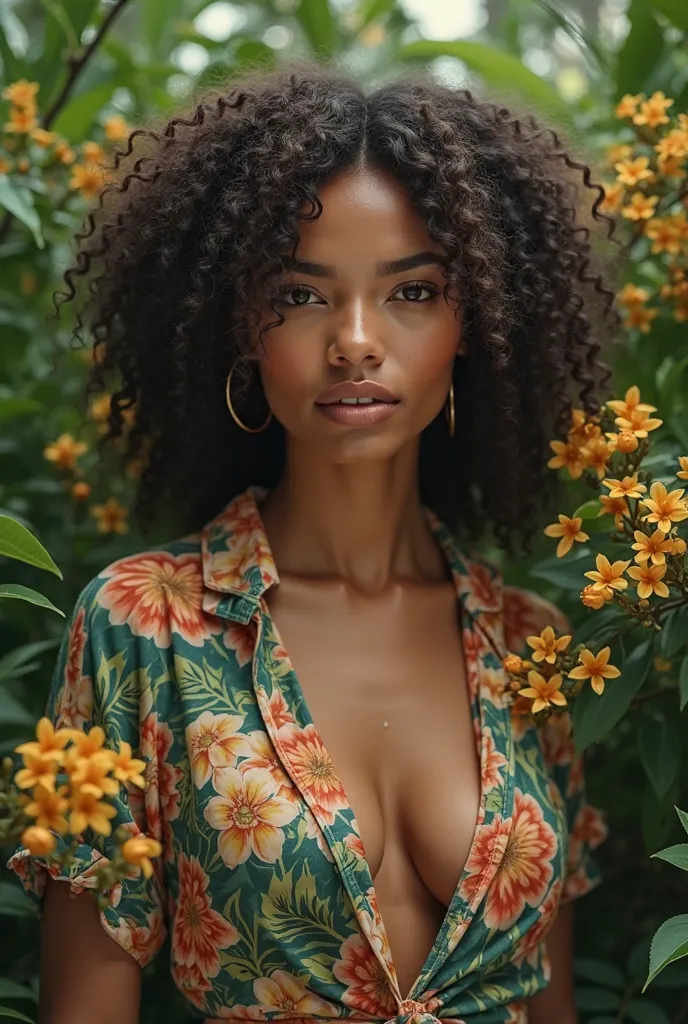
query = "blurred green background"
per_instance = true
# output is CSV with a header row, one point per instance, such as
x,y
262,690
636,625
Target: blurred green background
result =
x,y
101,67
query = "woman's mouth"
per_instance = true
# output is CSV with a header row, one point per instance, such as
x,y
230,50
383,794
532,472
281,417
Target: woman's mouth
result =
x,y
357,403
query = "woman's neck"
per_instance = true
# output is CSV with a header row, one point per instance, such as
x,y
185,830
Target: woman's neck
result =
x,y
362,522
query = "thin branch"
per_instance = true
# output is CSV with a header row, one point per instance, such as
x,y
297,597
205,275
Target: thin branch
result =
x,y
76,66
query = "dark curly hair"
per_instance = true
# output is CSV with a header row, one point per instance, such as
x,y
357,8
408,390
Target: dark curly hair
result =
x,y
200,216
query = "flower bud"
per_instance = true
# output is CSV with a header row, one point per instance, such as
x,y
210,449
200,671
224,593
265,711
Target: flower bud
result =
x,y
595,598
626,441
38,841
679,546
512,663
81,490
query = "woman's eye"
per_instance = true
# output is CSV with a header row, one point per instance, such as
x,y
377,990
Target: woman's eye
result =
x,y
297,296
413,292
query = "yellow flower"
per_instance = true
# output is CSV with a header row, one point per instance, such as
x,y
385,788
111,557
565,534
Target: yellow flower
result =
x,y
632,172
39,770
116,128
628,105
608,574
546,646
88,811
592,598
639,422
91,742
48,808
671,166
99,409
81,490
618,151
43,138
654,547
49,742
93,153
21,121
513,663
613,197
597,454
641,317
88,178
683,471
112,517
64,153
595,667
616,507
38,840
127,768
569,530
625,441
640,207
631,400
94,772
566,455
673,145
21,93
543,692
65,451
653,111
626,488
649,580
665,235
666,507
630,295
138,851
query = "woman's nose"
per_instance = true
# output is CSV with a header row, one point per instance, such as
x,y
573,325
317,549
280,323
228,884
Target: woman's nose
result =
x,y
356,338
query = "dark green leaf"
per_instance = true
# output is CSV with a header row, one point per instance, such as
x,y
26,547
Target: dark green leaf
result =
x,y
14,663
11,408
596,999
593,715
642,1011
318,24
683,683
501,70
683,818
14,713
676,855
567,572
657,820
679,427
673,976
676,11
674,633
19,593
14,902
660,753
14,1014
18,542
670,943
602,972
13,990
19,202
642,49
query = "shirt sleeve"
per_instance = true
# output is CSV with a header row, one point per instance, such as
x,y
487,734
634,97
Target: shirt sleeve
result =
x,y
527,614
97,681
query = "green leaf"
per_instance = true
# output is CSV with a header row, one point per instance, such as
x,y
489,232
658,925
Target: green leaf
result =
x,y
14,663
19,202
318,24
676,855
566,572
18,542
679,427
674,976
10,408
682,817
593,715
14,713
642,1011
674,633
683,683
14,1014
76,120
642,49
602,972
596,999
660,753
502,70
657,822
20,593
13,43
14,902
13,990
670,943
588,510
675,11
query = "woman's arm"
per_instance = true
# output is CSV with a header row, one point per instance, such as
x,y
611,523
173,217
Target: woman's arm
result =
x,y
556,1002
85,975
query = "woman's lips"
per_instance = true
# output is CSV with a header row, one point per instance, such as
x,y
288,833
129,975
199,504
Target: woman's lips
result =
x,y
357,403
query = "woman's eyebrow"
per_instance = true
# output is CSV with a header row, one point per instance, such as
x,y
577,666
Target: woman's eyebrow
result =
x,y
384,269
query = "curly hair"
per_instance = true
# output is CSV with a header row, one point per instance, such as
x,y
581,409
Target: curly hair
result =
x,y
200,216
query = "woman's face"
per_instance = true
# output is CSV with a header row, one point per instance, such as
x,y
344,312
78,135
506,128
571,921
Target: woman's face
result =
x,y
363,310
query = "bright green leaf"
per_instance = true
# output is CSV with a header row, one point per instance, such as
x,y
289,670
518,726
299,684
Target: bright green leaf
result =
x,y
20,593
318,24
18,542
642,1011
683,683
502,70
641,51
11,408
676,855
682,817
593,715
19,202
77,119
660,753
588,510
675,11
670,943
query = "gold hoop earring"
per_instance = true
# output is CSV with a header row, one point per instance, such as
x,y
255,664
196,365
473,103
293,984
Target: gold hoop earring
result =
x,y
450,411
228,397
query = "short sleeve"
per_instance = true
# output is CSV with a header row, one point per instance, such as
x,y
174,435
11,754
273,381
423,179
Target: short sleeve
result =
x,y
96,681
527,614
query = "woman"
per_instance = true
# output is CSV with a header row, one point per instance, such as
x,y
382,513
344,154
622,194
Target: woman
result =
x,y
334,313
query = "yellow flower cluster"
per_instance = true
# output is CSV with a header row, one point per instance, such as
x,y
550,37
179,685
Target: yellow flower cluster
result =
x,y
67,780
554,674
651,171
64,452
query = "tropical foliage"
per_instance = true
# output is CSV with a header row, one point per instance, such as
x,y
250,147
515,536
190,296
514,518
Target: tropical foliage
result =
x,y
75,76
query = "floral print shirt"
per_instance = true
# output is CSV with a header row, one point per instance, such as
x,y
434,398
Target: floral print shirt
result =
x,y
263,887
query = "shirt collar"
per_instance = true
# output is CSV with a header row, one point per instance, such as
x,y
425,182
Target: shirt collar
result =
x,y
238,563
